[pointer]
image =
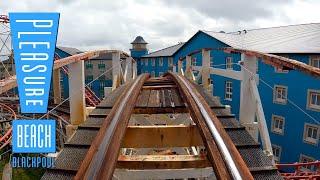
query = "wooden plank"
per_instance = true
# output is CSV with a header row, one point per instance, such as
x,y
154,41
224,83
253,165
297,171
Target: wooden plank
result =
x,y
154,99
162,98
162,162
167,98
160,87
161,136
159,110
176,98
143,98
195,173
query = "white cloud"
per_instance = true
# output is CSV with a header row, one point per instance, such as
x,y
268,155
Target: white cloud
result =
x,y
112,24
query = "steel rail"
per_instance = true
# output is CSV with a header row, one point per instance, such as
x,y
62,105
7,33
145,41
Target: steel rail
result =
x,y
102,155
232,159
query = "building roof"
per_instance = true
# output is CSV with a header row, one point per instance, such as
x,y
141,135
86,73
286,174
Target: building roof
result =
x,y
301,38
69,50
169,51
139,40
103,56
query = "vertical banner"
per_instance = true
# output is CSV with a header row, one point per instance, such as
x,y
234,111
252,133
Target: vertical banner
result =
x,y
34,38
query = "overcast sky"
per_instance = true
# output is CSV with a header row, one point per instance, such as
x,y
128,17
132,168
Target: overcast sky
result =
x,y
113,24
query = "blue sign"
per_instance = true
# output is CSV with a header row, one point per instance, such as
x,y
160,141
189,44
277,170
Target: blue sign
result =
x,y
34,136
34,38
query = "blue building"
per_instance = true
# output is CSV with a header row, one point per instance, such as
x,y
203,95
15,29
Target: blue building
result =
x,y
290,99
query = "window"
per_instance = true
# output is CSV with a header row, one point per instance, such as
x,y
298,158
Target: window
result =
x,y
311,133
228,90
315,62
142,62
102,78
280,70
194,61
170,60
229,63
280,94
161,61
101,65
89,64
211,61
89,78
160,73
277,124
313,101
153,62
305,159
153,74
276,152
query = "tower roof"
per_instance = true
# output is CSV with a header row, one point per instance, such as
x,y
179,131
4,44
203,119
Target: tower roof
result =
x,y
139,40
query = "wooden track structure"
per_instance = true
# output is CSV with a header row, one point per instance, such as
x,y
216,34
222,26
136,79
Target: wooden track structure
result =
x,y
160,125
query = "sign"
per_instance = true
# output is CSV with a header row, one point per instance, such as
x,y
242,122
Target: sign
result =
x,y
34,39
33,136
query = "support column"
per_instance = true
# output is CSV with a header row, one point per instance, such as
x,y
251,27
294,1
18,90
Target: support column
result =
x,y
56,86
77,96
116,70
134,69
128,69
247,102
263,129
188,72
206,69
180,67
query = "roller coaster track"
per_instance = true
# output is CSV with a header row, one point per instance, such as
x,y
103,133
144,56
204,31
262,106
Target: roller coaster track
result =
x,y
6,138
99,148
306,170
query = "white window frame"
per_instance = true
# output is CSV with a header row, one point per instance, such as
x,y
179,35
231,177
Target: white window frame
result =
x,y
282,100
311,106
276,157
309,159
153,74
311,140
194,61
161,61
228,91
314,61
211,61
170,61
229,62
275,129
153,62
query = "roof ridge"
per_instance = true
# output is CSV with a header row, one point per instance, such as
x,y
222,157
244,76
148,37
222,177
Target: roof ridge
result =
x,y
263,28
166,48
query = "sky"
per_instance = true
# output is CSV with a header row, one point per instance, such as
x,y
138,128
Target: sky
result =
x,y
113,24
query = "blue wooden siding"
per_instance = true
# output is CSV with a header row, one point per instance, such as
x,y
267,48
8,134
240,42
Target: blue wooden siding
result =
x,y
298,83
